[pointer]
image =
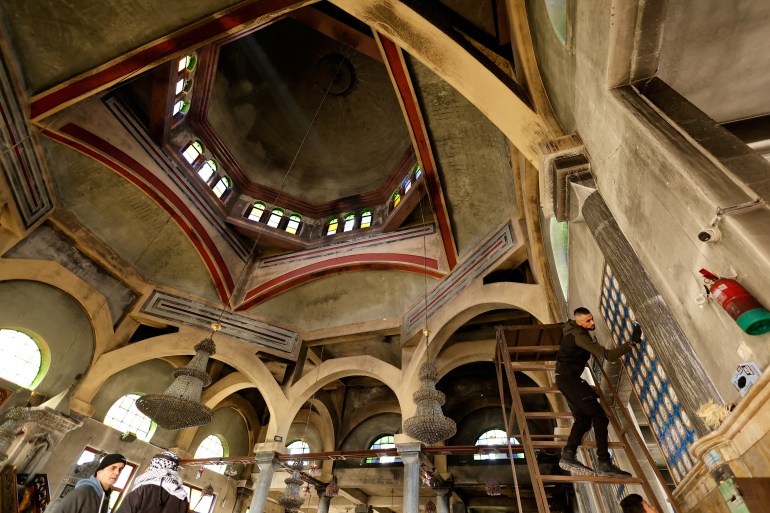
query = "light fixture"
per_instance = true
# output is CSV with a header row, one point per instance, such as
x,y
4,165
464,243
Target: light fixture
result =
x,y
332,489
179,406
291,499
493,487
429,425
430,507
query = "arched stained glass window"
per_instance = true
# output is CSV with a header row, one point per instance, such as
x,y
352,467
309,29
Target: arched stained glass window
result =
x,y
187,62
496,437
179,86
275,218
350,222
223,185
298,447
395,198
124,416
383,442
333,225
181,107
257,209
213,446
366,218
207,170
194,150
22,359
293,223
406,184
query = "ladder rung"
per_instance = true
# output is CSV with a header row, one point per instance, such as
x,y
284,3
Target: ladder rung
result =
x,y
589,479
547,415
553,444
538,390
533,367
533,349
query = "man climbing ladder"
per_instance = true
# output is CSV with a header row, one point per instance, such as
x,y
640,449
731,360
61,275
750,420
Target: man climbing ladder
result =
x,y
575,350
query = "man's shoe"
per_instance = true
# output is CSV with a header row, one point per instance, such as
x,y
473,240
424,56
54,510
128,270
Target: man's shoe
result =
x,y
570,463
607,468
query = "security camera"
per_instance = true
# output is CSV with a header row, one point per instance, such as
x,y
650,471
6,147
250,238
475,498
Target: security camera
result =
x,y
710,234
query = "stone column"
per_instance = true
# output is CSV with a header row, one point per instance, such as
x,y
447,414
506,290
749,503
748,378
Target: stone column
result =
x,y
265,464
682,365
442,500
323,500
410,455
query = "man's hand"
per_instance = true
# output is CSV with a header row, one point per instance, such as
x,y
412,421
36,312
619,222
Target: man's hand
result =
x,y
636,334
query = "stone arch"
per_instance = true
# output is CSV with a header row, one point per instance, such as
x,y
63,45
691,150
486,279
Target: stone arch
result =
x,y
51,273
235,353
331,370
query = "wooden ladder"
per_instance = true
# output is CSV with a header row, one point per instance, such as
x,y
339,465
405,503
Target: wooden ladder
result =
x,y
534,348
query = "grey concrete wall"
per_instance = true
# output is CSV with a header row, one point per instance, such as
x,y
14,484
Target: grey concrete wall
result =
x,y
54,318
369,430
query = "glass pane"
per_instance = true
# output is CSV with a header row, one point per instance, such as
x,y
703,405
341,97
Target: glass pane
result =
x,y
332,227
123,477
350,222
292,226
21,359
256,212
275,218
191,152
183,63
179,86
177,108
124,416
220,188
212,447
366,219
207,170
87,456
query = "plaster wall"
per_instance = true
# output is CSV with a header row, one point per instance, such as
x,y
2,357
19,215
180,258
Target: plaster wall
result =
x,y
229,425
134,226
472,158
369,430
57,320
52,48
346,298
661,202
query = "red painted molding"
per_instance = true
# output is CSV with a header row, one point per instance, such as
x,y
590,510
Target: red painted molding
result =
x,y
414,118
365,261
214,27
100,150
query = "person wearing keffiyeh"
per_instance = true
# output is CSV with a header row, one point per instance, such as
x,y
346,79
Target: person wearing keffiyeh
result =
x,y
159,489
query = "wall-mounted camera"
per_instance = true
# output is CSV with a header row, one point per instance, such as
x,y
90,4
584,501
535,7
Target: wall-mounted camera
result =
x,y
710,234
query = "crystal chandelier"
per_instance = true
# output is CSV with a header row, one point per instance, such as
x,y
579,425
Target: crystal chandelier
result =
x,y
429,425
291,499
430,507
493,487
332,489
180,405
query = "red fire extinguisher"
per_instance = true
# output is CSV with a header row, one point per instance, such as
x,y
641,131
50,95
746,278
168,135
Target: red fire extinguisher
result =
x,y
739,303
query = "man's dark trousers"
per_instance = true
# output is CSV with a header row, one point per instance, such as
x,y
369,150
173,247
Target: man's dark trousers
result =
x,y
583,403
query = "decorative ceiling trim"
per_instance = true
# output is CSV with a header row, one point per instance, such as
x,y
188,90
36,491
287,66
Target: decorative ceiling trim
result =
x,y
100,150
177,175
474,266
361,262
344,247
211,28
397,68
266,337
22,167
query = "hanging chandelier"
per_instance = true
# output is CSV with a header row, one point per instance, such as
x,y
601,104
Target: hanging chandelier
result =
x,y
291,499
180,405
429,425
493,487
430,507
332,489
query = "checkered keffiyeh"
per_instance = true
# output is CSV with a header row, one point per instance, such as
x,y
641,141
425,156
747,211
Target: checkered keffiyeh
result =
x,y
163,473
